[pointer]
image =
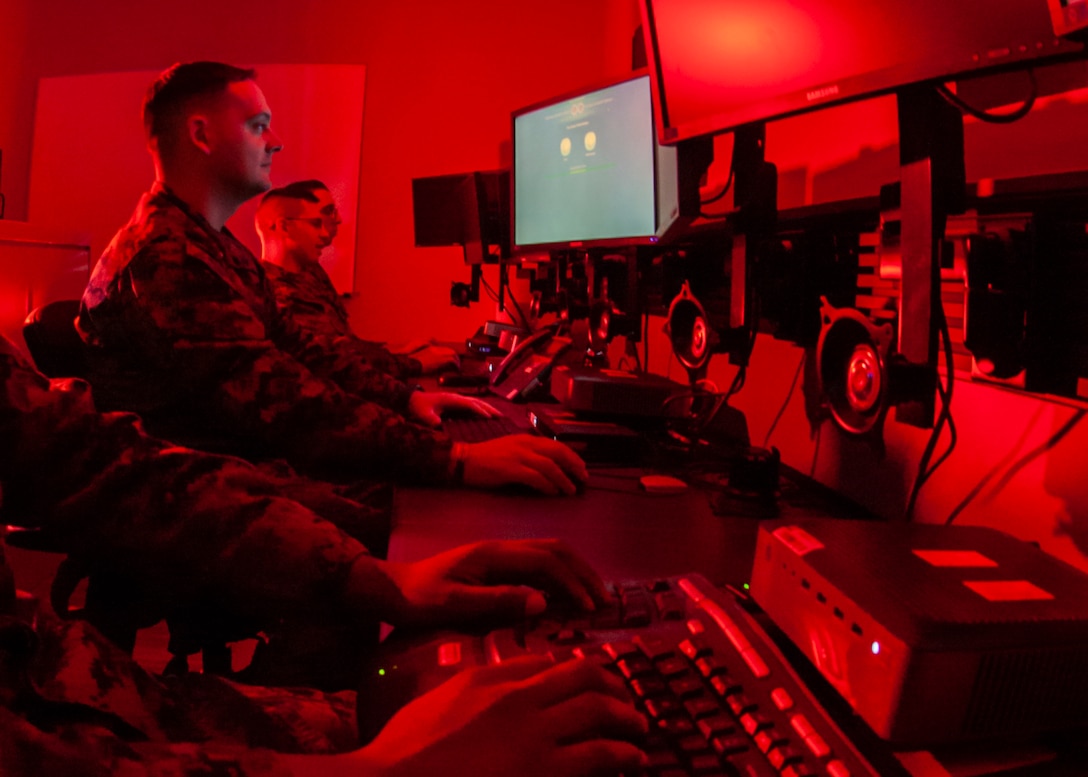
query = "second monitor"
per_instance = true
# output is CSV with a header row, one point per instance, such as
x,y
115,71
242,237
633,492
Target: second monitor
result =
x,y
588,172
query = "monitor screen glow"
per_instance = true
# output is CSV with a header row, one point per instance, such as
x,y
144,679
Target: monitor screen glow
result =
x,y
586,170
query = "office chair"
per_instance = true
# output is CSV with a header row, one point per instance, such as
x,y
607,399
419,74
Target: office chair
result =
x,y
53,341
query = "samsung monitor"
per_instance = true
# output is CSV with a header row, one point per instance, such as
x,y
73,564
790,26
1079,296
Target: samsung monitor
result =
x,y
588,173
1069,17
470,210
721,64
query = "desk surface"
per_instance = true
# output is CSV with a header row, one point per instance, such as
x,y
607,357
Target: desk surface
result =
x,y
624,532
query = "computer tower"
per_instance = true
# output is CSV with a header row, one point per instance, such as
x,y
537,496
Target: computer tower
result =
x,y
933,634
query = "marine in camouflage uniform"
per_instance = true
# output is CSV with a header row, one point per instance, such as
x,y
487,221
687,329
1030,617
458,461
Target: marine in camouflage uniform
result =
x,y
188,529
183,329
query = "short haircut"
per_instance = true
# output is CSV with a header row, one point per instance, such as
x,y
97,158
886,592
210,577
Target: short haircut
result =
x,y
299,190
178,85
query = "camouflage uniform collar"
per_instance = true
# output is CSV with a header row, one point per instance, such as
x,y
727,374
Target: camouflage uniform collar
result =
x,y
161,193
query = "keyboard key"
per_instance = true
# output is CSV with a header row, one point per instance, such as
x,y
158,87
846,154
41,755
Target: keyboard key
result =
x,y
798,770
654,648
693,744
753,722
771,737
669,606
724,685
783,756
661,760
648,687
756,663
706,765
730,745
781,699
837,768
701,707
810,736
708,666
716,726
634,666
691,590
659,709
622,649
673,667
677,728
636,615
739,704
695,647
687,687
568,637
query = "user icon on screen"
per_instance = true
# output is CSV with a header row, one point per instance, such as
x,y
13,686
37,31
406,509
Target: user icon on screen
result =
x,y
564,147
591,140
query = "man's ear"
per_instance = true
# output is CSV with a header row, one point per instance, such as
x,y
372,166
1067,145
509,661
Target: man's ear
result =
x,y
197,128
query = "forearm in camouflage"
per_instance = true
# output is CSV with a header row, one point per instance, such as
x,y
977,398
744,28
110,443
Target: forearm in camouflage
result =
x,y
342,361
231,381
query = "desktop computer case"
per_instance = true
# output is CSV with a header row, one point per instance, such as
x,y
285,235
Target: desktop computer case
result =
x,y
933,634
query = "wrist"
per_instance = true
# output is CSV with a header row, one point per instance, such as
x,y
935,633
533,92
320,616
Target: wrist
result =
x,y
456,472
373,590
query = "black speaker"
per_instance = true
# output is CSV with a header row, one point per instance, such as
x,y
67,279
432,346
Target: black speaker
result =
x,y
852,362
690,332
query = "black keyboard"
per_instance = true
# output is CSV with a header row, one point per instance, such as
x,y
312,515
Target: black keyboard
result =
x,y
721,699
480,429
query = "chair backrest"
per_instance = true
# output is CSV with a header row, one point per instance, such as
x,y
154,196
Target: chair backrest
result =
x,y
54,344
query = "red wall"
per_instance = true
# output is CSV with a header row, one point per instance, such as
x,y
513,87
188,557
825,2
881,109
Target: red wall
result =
x,y
442,78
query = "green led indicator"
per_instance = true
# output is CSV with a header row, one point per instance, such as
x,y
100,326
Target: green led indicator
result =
x,y
746,587
381,672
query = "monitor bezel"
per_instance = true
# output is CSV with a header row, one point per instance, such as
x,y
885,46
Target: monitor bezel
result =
x,y
617,242
784,107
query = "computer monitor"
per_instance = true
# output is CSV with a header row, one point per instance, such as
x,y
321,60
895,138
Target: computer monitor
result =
x,y
471,210
721,64
588,172
1069,17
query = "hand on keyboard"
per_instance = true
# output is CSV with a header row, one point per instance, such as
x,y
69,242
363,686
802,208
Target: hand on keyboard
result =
x,y
526,717
542,464
427,407
488,581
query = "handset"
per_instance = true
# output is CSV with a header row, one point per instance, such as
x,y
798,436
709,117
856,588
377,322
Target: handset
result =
x,y
516,356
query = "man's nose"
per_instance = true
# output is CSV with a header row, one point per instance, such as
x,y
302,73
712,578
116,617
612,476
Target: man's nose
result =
x,y
272,141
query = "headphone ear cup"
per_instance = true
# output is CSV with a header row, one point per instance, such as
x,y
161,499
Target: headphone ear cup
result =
x,y
690,334
851,359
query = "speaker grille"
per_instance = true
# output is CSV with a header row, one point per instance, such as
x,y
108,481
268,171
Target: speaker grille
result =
x,y
1028,689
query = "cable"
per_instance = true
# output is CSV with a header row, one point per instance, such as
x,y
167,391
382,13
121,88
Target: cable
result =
x,y
646,340
993,118
495,298
816,452
724,191
925,471
789,396
1045,447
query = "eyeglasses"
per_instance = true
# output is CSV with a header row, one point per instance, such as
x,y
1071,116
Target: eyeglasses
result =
x,y
315,222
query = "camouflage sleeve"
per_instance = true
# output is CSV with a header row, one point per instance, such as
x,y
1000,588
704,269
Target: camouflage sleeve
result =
x,y
310,299
219,349
374,355
26,751
185,524
339,359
